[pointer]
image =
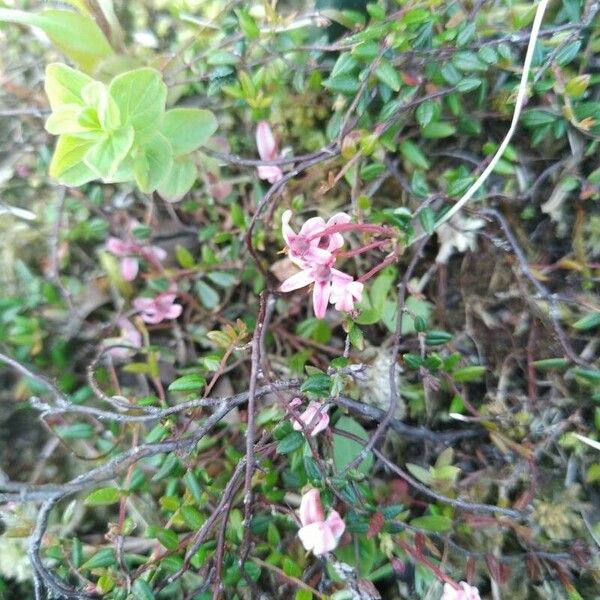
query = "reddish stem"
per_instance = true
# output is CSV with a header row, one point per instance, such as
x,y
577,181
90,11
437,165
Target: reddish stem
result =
x,y
389,259
418,556
342,227
362,249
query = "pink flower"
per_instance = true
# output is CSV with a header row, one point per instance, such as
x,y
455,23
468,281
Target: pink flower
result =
x,y
314,418
465,592
345,296
307,246
129,335
318,534
326,279
155,310
267,150
130,251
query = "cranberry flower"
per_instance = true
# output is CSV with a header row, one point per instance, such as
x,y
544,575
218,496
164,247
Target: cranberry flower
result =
x,y
317,533
130,251
314,424
326,280
464,592
129,335
345,296
307,246
267,150
157,309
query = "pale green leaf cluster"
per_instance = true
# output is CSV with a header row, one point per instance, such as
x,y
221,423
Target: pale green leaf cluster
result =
x,y
122,131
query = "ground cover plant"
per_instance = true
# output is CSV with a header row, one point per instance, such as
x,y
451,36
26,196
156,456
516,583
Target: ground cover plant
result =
x,y
299,300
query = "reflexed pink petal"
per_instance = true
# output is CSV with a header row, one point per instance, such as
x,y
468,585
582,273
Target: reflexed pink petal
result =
x,y
324,541
336,240
307,416
117,246
152,316
466,592
311,509
339,278
295,403
271,173
173,311
321,425
312,422
336,524
308,534
338,219
312,226
265,141
286,230
344,296
321,294
129,333
143,303
297,281
157,253
129,268
315,255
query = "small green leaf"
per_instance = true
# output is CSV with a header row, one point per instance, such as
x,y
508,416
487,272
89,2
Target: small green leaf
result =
x,y
140,95
247,24
588,321
222,278
100,560
436,523
188,128
419,473
427,220
67,164
437,338
344,84
538,117
318,384
105,157
469,84
567,54
345,450
76,35
142,590
576,86
77,431
208,296
290,442
592,375
170,463
437,130
469,61
153,163
188,383
167,538
412,153
192,516
388,74
179,180
102,496
184,257
425,112
63,85
472,373
551,363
